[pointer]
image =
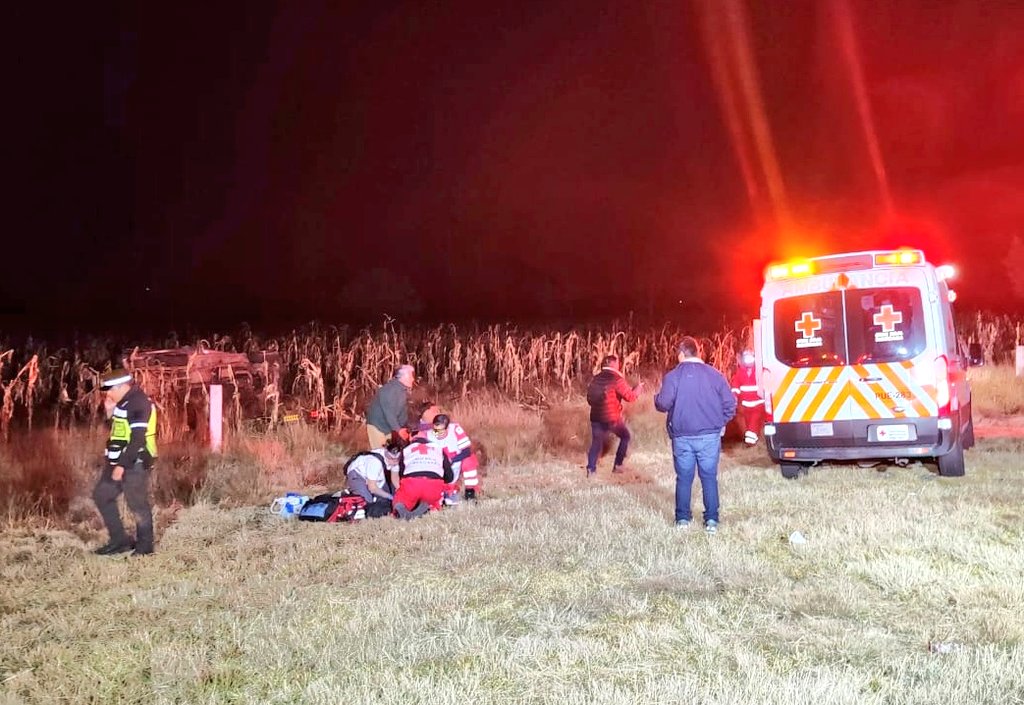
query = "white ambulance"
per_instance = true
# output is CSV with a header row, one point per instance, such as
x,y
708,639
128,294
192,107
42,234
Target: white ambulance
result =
x,y
859,361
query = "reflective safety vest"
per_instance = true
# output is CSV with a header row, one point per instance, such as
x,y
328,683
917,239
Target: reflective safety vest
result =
x,y
454,444
128,415
420,459
744,386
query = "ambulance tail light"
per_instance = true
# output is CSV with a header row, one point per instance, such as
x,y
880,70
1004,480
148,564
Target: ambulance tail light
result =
x,y
942,386
899,257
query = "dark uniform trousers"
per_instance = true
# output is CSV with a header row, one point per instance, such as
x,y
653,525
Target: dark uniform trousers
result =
x,y
135,486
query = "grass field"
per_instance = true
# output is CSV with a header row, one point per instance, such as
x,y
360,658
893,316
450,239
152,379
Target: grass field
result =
x,y
553,589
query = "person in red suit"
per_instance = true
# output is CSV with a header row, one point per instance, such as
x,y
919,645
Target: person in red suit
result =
x,y
748,398
423,472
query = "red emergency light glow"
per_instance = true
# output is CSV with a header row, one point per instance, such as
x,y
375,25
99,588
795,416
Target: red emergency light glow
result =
x,y
900,257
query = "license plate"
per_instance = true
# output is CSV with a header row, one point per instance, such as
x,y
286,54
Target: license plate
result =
x,y
894,432
821,429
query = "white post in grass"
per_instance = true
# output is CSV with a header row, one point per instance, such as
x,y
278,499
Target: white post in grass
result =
x,y
1019,362
216,417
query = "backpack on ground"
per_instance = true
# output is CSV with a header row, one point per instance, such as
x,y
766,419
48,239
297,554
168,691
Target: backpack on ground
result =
x,y
333,508
351,507
319,508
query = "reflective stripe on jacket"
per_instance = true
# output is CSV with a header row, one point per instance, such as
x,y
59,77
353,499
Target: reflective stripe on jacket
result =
x,y
744,386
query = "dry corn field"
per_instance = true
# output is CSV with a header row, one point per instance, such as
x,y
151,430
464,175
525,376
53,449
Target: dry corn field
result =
x,y
334,369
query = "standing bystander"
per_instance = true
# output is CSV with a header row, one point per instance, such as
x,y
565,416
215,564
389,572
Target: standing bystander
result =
x,y
388,413
699,404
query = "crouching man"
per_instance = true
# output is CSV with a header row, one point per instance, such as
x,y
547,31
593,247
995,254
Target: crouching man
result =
x,y
367,475
423,471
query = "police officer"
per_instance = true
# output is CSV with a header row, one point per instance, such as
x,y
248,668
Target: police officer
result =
x,y
130,454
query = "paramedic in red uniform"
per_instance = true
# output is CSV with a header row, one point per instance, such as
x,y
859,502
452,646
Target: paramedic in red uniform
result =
x,y
424,470
751,405
450,437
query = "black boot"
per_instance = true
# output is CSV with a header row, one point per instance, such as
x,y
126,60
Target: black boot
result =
x,y
470,494
114,547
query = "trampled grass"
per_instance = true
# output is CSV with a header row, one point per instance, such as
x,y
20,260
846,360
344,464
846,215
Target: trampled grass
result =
x,y
551,590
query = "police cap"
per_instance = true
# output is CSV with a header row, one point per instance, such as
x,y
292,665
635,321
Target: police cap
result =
x,y
111,379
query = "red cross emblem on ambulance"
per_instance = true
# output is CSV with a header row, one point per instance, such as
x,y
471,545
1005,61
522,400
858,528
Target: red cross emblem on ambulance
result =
x,y
888,318
808,325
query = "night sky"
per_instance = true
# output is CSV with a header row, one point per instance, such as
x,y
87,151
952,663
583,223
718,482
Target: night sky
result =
x,y
504,159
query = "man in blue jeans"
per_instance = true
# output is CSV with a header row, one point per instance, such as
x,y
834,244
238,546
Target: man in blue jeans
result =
x,y
699,403
605,394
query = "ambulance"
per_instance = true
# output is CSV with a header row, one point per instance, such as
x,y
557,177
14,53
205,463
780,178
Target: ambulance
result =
x,y
859,361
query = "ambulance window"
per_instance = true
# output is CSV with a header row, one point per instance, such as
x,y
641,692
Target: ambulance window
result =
x,y
884,325
809,330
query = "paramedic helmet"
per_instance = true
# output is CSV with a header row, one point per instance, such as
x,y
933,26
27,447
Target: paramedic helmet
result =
x,y
747,358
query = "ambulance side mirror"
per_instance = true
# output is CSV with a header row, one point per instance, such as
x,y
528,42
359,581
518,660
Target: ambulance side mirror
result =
x,y
975,356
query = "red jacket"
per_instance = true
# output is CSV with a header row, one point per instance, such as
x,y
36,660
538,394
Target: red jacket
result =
x,y
744,386
605,395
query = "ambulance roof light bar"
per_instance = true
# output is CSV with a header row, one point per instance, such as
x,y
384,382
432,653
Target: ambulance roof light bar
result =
x,y
788,270
899,257
840,263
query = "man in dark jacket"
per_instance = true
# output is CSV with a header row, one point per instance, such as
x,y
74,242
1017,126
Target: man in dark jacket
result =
x,y
699,404
388,414
605,395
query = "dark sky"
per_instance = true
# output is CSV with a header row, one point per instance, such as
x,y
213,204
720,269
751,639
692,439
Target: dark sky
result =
x,y
321,159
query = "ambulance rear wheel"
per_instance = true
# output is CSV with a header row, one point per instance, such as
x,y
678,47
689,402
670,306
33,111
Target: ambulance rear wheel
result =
x,y
791,471
952,463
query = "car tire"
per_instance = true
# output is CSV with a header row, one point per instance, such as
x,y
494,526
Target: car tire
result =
x,y
952,463
791,471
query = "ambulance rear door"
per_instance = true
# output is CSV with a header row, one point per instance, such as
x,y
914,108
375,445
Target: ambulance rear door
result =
x,y
809,347
891,344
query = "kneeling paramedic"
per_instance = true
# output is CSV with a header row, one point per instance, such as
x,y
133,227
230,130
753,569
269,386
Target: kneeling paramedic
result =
x,y
130,454
366,475
423,471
